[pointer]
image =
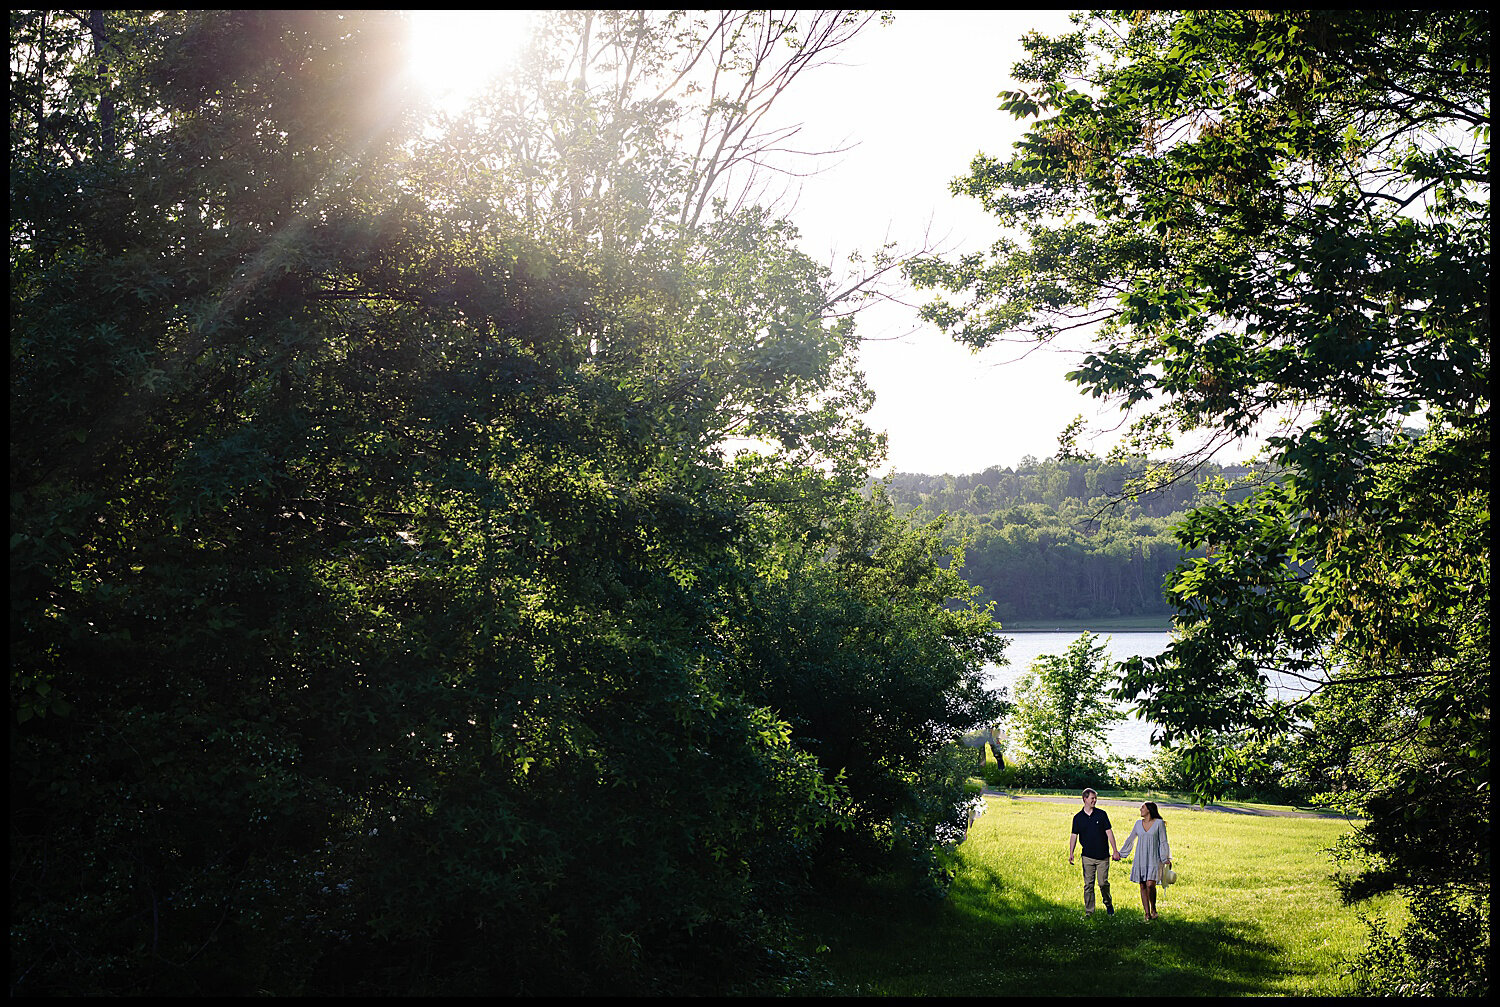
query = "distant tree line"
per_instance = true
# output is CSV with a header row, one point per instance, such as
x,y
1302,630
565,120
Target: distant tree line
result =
x,y
1068,538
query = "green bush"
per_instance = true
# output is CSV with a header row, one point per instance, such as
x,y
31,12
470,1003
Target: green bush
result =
x,y
1165,770
1257,771
1036,773
992,767
1005,779
1443,951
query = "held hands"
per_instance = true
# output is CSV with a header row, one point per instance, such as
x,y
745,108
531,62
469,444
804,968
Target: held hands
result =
x,y
1117,856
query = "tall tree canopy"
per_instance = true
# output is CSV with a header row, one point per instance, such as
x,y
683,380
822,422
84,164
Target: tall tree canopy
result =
x,y
390,610
1284,215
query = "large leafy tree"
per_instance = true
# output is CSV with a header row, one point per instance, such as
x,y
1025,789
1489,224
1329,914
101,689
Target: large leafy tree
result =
x,y
863,634
378,566
1283,216
1064,708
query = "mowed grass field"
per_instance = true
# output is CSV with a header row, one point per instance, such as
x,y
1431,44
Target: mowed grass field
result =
x,y
1254,914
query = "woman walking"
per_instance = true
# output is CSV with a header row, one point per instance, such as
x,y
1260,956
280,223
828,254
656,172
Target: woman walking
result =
x,y
1154,852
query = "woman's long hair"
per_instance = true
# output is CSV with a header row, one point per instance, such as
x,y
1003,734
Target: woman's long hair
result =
x,y
1155,815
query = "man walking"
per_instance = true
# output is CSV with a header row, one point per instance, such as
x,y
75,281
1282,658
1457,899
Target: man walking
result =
x,y
1091,829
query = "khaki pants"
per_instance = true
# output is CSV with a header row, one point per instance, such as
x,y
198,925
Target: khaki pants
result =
x,y
1093,869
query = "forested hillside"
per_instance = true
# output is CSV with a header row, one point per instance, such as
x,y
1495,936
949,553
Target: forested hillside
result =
x,y
1061,539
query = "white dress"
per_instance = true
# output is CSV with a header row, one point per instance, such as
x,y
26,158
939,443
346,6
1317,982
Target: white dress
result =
x,y
1154,850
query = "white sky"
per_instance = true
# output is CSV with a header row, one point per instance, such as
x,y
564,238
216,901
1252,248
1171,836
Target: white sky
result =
x,y
919,98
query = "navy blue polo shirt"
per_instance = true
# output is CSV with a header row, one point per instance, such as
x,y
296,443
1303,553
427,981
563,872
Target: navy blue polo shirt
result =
x,y
1090,831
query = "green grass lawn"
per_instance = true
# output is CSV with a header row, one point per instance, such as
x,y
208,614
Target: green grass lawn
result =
x,y
1254,914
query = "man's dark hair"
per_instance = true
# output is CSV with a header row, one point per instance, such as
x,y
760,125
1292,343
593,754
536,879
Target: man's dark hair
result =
x,y
1090,790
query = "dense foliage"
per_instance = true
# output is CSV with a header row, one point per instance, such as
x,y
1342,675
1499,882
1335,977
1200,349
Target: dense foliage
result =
x,y
388,614
1285,215
1069,539
1064,708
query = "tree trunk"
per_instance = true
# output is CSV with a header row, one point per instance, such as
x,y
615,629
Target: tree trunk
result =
x,y
107,141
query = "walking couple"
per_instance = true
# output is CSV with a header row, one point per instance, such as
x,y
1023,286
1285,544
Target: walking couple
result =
x,y
1093,832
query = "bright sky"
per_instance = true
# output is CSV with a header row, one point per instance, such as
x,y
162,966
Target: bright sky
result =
x,y
919,97
453,52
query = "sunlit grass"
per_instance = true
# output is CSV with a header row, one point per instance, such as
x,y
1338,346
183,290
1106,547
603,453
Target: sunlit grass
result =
x,y
1254,914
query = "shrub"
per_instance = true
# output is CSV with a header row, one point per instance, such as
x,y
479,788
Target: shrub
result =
x,y
1165,770
1066,775
1442,951
992,767
1006,778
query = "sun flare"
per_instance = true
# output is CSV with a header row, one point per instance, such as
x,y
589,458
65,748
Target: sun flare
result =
x,y
455,53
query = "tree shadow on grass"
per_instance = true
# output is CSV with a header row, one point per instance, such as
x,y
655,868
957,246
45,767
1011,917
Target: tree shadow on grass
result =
x,y
992,937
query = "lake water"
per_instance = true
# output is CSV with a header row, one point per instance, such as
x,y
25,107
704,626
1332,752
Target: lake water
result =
x,y
1130,738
